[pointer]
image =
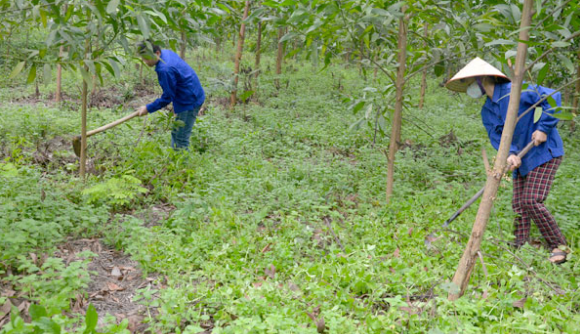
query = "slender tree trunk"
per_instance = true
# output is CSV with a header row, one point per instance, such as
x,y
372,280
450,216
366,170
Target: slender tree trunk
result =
x,y
8,48
84,96
239,55
361,57
279,56
284,49
376,67
58,93
575,101
94,88
183,44
398,114
258,50
465,267
424,74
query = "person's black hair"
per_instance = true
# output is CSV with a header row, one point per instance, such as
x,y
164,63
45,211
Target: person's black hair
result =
x,y
148,47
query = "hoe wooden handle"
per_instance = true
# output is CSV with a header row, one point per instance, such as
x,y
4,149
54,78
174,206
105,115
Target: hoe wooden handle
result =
x,y
480,192
112,124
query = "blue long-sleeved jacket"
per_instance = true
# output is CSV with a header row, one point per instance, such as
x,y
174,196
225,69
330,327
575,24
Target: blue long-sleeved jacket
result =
x,y
179,82
493,115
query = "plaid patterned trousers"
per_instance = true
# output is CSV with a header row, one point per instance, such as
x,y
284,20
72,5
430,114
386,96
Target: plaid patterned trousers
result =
x,y
530,192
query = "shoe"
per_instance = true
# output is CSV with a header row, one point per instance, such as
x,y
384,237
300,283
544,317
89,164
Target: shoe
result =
x,y
555,254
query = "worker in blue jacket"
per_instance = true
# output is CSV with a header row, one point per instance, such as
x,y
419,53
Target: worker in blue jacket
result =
x,y
180,86
534,173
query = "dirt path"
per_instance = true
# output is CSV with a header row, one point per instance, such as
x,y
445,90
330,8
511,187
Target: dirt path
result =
x,y
115,281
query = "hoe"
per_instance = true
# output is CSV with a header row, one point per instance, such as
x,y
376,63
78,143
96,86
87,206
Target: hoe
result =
x,y
479,193
76,142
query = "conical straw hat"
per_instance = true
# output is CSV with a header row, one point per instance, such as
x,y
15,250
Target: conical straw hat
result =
x,y
476,68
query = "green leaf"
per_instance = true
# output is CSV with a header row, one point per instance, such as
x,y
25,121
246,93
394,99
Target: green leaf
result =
x,y
86,76
564,115
357,107
501,42
51,37
255,14
246,95
112,7
439,69
561,44
43,18
115,65
143,25
552,102
356,125
537,114
542,73
69,12
37,312
288,36
158,14
31,74
568,64
48,326
17,69
91,319
483,27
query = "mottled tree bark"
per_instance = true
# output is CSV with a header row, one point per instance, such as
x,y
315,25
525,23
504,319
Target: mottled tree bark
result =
x,y
239,55
183,45
398,114
467,262
424,74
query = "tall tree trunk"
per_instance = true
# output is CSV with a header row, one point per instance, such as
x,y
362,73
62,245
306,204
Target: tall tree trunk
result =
x,y
279,56
84,96
258,50
376,67
37,90
94,88
8,48
465,267
183,45
361,57
424,74
575,101
398,115
284,49
239,55
58,93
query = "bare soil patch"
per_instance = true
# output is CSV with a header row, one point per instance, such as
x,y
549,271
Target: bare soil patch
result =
x,y
115,281
154,215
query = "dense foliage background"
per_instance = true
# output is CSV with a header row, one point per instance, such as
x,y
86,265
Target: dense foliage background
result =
x,y
276,221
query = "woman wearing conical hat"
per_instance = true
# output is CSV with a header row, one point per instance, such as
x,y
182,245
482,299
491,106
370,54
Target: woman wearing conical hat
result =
x,y
534,173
